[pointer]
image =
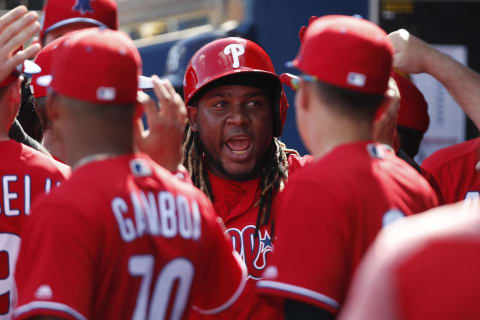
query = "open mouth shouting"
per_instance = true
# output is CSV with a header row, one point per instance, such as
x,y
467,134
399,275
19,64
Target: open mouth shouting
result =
x,y
239,147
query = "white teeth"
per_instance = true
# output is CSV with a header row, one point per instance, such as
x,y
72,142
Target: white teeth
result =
x,y
239,152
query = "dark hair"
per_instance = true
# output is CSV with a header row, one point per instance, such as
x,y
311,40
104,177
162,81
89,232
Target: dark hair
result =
x,y
27,116
409,140
349,102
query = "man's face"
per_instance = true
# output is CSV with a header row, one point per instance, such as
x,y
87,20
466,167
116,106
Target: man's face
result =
x,y
235,124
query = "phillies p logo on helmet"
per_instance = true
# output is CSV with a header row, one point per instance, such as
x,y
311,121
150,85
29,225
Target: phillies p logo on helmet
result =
x,y
82,6
236,51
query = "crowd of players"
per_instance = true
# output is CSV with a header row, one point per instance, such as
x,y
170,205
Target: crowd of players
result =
x,y
207,214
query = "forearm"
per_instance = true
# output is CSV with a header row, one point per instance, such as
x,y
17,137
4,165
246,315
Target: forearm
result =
x,y
462,83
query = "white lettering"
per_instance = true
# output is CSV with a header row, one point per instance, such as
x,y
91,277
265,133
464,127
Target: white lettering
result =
x,y
152,213
7,196
175,216
167,209
197,228
126,227
48,185
236,50
27,194
139,217
184,218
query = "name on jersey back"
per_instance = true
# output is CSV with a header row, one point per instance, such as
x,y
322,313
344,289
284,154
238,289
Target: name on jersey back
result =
x,y
158,214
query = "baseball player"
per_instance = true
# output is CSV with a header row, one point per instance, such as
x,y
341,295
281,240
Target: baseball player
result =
x,y
25,173
424,267
134,241
413,55
44,60
331,210
455,168
413,119
63,16
236,109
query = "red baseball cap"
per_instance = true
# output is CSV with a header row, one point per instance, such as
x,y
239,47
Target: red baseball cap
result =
x,y
347,52
413,112
96,65
27,67
59,13
44,60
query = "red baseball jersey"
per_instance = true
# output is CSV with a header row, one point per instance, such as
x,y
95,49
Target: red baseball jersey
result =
x,y
330,213
424,267
237,204
25,174
455,170
125,239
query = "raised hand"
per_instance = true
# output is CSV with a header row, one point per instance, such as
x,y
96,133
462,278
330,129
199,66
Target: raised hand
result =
x,y
16,27
163,140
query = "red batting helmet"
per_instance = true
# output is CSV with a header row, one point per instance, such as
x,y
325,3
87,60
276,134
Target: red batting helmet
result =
x,y
227,57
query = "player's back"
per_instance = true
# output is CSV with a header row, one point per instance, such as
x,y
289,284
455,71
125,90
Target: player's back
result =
x,y
455,170
25,174
336,207
377,188
135,243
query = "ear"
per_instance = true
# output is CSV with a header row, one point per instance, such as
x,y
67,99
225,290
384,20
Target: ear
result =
x,y
51,108
192,113
303,96
13,99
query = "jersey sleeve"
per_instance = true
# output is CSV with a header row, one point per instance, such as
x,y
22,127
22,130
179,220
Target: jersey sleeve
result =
x,y
310,260
224,274
56,264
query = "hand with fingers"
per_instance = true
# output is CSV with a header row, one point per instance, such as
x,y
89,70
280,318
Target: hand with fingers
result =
x,y
385,124
16,27
163,141
411,54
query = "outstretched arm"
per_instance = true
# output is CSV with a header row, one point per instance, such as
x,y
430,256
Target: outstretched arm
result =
x,y
412,55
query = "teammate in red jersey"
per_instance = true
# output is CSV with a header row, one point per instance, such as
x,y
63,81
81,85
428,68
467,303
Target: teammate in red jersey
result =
x,y
424,267
63,16
44,60
455,167
25,173
134,241
331,210
237,108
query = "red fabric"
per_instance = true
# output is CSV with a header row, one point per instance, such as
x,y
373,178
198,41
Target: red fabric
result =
x,y
44,60
348,52
454,169
413,112
99,66
117,224
235,203
424,267
329,214
25,175
104,11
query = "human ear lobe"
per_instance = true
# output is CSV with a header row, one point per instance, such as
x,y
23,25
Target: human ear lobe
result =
x,y
302,97
192,113
51,108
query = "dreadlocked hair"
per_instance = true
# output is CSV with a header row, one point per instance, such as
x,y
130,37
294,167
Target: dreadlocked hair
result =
x,y
274,173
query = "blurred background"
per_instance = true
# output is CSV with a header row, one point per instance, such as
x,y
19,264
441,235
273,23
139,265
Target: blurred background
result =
x,y
168,32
